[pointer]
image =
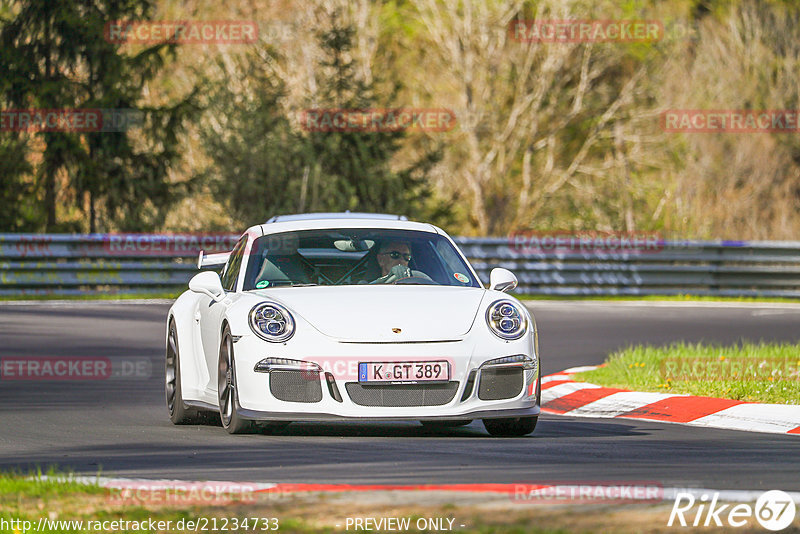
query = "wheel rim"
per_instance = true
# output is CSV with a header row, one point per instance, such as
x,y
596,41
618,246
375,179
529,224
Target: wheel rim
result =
x,y
225,382
171,370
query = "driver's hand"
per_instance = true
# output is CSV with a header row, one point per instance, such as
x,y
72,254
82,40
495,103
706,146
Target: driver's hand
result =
x,y
400,271
396,273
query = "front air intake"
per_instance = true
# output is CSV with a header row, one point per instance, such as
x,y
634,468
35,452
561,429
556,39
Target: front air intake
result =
x,y
295,386
500,383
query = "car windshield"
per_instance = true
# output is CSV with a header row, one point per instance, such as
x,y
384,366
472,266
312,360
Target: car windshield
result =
x,y
355,257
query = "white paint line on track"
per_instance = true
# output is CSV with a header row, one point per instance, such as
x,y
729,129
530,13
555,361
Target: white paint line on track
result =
x,y
564,389
618,404
774,418
762,313
550,378
581,369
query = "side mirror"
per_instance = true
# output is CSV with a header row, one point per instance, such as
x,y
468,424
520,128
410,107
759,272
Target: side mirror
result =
x,y
502,280
207,283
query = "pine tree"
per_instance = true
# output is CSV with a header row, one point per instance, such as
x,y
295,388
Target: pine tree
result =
x,y
353,167
265,165
56,57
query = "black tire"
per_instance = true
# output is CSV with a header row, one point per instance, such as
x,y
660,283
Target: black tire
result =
x,y
510,428
226,389
451,423
179,413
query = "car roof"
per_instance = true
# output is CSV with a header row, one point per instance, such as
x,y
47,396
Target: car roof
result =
x,y
321,221
337,215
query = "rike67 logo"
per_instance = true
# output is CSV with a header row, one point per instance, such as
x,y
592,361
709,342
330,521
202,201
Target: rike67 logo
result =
x,y
774,510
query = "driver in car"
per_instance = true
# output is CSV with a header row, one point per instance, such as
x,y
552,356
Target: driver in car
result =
x,y
393,258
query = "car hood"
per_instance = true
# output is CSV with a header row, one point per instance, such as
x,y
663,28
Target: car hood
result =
x,y
371,314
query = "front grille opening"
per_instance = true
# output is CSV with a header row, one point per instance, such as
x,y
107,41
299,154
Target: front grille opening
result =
x,y
470,385
401,395
500,383
295,386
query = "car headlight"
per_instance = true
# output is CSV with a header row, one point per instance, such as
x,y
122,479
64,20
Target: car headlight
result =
x,y
506,320
271,322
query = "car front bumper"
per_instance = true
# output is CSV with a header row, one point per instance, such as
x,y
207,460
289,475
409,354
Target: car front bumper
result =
x,y
337,363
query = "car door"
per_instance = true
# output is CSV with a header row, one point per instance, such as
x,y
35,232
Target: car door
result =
x,y
211,312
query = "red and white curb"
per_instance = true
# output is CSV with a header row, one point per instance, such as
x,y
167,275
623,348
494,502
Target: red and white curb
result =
x,y
138,488
562,395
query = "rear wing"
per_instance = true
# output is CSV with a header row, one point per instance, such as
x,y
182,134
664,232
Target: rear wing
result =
x,y
205,261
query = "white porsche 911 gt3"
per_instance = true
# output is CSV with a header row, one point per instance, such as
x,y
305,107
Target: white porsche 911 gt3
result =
x,y
321,317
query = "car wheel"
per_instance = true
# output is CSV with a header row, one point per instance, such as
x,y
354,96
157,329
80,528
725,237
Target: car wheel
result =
x,y
179,413
226,389
451,423
510,428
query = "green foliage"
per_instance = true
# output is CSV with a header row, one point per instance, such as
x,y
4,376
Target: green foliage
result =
x,y
56,57
18,212
264,166
48,484
355,165
256,162
514,160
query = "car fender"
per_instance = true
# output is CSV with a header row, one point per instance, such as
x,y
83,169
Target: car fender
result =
x,y
237,314
192,364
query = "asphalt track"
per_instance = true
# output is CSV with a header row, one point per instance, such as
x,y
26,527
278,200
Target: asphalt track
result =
x,y
119,426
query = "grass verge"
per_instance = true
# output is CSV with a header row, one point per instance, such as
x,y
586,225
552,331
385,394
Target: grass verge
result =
x,y
33,499
764,372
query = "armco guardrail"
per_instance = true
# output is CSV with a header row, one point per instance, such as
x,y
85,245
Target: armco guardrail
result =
x,y
712,268
60,264
56,264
